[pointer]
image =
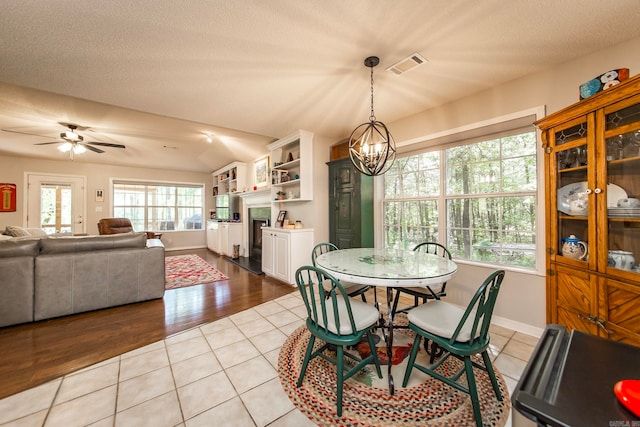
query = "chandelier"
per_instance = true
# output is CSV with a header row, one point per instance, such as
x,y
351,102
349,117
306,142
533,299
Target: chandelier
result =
x,y
371,147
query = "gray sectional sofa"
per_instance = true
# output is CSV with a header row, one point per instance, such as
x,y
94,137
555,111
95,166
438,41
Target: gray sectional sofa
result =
x,y
41,278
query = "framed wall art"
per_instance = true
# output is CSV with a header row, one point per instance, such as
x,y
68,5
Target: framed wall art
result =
x,y
7,197
262,172
281,216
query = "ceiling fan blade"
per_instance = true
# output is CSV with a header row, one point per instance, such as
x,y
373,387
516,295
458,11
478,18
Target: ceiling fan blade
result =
x,y
94,149
47,143
104,144
25,133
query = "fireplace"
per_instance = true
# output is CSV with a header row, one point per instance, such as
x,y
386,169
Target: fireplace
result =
x,y
255,238
256,212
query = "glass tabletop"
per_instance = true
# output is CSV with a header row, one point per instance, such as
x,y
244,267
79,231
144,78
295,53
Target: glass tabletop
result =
x,y
387,267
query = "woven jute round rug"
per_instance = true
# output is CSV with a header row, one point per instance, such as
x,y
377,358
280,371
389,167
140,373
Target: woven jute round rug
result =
x,y
366,398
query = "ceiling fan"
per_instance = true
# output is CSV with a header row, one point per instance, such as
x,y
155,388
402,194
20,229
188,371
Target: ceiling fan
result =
x,y
72,142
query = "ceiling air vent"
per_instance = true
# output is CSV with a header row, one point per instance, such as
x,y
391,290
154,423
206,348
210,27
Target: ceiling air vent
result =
x,y
408,63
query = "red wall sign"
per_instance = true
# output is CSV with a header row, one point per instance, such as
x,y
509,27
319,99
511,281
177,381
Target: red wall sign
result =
x,y
7,197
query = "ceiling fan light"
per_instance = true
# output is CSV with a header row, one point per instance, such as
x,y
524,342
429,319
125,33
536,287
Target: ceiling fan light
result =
x,y
65,147
79,149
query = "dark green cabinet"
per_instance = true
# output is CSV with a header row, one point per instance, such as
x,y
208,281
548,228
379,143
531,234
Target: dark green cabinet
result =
x,y
350,206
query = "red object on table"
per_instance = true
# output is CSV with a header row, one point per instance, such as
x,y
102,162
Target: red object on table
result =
x,y
628,393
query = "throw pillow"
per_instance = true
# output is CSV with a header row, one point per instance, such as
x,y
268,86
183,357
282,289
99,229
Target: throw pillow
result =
x,y
36,232
15,231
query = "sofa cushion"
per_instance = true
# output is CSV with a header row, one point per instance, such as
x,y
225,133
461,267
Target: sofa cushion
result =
x,y
18,248
57,245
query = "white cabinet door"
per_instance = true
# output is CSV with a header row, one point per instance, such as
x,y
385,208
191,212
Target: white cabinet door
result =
x,y
267,252
213,235
281,257
224,238
284,251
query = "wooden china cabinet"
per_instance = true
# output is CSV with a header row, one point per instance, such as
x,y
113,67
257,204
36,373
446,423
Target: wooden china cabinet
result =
x,y
592,160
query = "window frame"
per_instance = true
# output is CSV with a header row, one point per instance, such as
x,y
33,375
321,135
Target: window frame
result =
x,y
175,184
463,135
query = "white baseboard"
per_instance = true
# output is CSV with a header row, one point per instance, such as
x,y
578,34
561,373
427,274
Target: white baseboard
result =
x,y
517,326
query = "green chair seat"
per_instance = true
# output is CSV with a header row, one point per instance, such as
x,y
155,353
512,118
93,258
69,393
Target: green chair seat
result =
x,y
364,316
441,319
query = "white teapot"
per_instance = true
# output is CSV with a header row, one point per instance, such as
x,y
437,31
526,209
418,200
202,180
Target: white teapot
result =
x,y
572,247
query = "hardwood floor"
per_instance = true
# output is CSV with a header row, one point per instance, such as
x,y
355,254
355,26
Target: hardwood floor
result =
x,y
34,353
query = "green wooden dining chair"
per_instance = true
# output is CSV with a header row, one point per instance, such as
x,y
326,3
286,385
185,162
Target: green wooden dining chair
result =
x,y
460,333
427,293
337,320
353,289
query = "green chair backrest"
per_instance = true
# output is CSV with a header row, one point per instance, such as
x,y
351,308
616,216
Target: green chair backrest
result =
x,y
326,301
321,248
480,310
433,248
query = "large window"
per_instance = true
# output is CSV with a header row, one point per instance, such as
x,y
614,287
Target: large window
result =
x,y
159,206
478,198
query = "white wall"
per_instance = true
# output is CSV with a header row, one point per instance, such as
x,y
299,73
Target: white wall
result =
x,y
522,301
13,169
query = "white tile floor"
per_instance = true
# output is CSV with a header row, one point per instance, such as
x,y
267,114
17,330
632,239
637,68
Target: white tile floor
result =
x,y
223,373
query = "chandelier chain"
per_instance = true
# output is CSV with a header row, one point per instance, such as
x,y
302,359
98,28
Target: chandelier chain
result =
x,y
372,117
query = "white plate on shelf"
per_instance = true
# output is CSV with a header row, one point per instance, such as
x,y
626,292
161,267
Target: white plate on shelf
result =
x,y
577,191
624,212
614,193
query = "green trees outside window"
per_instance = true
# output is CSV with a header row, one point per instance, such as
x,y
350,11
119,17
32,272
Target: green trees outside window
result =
x,y
478,199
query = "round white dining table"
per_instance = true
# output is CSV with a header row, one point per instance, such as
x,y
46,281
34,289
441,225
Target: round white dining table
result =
x,y
389,268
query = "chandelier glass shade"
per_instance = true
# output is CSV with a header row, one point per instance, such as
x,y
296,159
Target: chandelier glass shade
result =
x,y
371,147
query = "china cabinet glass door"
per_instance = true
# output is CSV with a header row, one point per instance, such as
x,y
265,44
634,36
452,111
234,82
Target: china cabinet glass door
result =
x,y
621,146
574,178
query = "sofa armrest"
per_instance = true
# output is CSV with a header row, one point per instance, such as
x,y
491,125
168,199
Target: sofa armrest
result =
x,y
154,243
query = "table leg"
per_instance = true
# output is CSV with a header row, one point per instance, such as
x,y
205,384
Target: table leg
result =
x,y
389,338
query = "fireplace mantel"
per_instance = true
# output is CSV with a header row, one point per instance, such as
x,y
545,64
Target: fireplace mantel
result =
x,y
260,197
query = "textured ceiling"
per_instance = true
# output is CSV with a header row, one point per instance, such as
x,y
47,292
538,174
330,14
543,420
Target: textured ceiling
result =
x,y
265,68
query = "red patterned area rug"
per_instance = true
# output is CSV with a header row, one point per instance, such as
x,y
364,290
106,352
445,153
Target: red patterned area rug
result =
x,y
188,270
366,399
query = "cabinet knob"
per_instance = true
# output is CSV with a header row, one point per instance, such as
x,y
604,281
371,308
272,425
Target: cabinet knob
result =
x,y
588,191
598,190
